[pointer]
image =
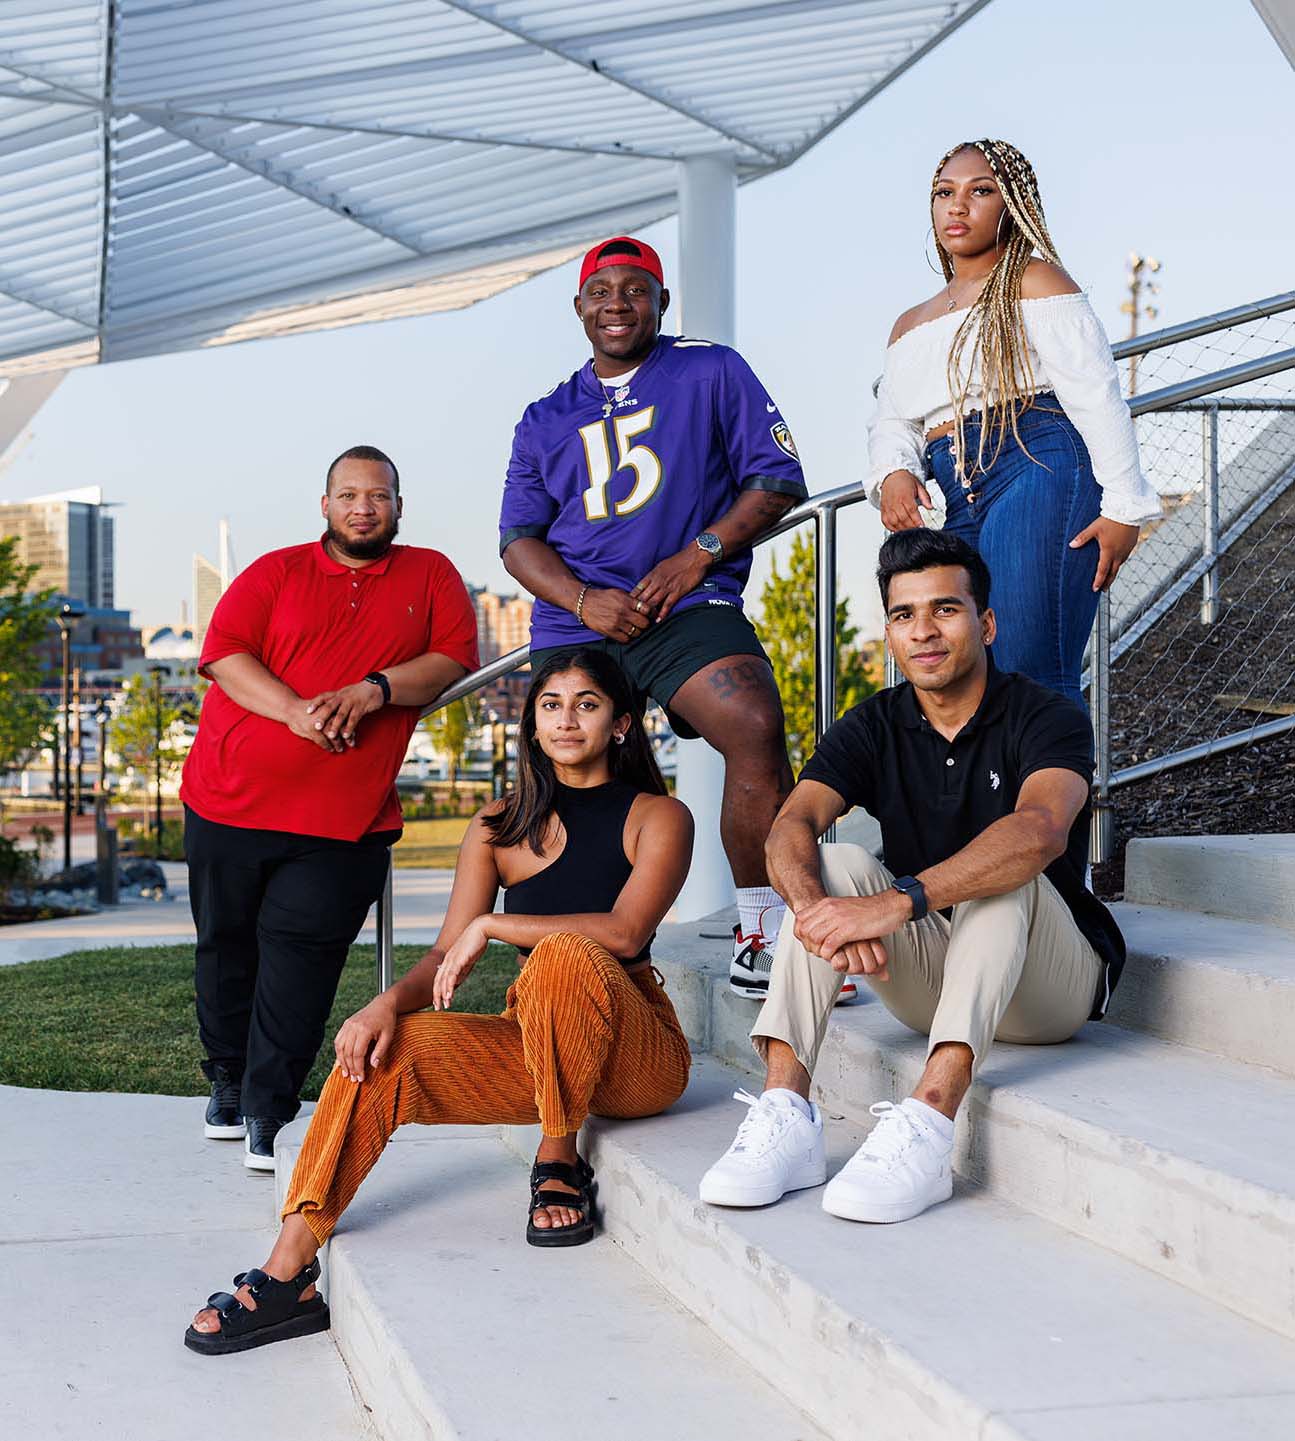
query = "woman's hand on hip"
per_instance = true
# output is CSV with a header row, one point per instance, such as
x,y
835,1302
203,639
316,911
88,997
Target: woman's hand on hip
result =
x,y
458,963
1115,542
365,1036
901,494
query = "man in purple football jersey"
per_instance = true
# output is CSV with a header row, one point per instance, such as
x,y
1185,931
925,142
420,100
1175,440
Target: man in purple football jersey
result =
x,y
633,494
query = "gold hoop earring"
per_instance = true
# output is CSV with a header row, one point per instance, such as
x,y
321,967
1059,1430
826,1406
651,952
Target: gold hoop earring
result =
x,y
930,235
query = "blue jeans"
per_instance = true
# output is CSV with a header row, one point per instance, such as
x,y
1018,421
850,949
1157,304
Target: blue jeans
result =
x,y
1021,515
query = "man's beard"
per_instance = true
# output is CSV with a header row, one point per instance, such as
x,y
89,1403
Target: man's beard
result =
x,y
371,547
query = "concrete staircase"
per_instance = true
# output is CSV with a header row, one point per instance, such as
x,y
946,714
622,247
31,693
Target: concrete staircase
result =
x,y
1118,1258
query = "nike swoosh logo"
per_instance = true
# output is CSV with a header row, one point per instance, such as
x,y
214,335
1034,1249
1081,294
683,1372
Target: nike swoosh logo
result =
x,y
772,409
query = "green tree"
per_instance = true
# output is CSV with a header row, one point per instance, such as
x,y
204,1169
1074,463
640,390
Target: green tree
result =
x,y
451,729
25,618
132,732
786,627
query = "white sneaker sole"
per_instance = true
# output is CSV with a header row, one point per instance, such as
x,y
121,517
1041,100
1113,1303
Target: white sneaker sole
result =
x,y
258,1163
724,1191
223,1133
746,990
852,1207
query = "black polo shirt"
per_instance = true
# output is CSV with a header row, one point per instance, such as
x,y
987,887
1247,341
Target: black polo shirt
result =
x,y
932,797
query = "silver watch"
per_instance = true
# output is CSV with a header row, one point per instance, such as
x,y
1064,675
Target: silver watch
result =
x,y
711,544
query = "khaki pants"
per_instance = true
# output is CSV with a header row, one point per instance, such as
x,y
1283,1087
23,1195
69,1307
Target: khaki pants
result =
x,y
1011,968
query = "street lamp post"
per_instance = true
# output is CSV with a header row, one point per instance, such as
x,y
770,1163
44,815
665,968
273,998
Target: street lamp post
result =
x,y
105,848
67,617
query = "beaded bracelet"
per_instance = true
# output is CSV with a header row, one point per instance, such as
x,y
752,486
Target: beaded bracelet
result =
x,y
580,604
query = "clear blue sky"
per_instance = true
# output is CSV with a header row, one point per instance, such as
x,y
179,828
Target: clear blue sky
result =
x,y
1152,125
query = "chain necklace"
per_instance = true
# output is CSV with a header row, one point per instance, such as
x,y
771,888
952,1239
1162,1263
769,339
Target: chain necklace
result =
x,y
953,300
615,396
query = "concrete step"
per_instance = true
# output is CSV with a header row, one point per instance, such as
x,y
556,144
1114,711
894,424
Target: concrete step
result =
x,y
975,1320
1176,1159
1207,981
454,1328
1249,877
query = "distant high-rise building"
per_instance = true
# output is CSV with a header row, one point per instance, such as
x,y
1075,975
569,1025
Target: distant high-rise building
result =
x,y
70,537
503,622
210,582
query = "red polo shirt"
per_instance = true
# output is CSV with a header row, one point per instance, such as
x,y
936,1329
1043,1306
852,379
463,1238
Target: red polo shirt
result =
x,y
318,625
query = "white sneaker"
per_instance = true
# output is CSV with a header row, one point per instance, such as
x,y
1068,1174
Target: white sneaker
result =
x,y
752,963
903,1167
777,1149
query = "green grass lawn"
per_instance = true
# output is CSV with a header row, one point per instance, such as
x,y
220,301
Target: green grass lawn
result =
x,y
432,843
123,1019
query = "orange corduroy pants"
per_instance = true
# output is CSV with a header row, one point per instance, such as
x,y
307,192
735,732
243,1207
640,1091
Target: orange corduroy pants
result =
x,y
577,1035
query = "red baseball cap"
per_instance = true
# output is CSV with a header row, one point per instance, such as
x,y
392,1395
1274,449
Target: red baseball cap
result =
x,y
622,250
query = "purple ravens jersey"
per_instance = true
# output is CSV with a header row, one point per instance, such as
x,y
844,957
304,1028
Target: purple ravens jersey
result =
x,y
616,478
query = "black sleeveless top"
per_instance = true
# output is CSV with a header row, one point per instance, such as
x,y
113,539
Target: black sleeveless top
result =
x,y
592,868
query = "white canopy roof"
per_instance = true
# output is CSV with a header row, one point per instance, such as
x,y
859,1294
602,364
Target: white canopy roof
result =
x,y
178,173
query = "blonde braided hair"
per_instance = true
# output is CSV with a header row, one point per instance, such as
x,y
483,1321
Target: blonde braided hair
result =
x,y
993,327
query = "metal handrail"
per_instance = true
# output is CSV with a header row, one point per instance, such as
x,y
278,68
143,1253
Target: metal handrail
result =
x,y
1173,396
826,502
1204,325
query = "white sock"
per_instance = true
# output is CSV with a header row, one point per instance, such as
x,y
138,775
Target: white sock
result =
x,y
759,908
937,1121
784,1096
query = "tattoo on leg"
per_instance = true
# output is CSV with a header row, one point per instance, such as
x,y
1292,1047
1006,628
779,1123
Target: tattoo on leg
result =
x,y
745,675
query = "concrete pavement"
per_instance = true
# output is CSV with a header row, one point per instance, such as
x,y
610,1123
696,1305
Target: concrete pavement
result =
x,y
105,1259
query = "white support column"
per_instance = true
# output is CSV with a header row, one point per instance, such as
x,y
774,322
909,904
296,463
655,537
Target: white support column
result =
x,y
707,289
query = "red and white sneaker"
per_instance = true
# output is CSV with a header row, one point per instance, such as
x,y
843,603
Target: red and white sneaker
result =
x,y
752,964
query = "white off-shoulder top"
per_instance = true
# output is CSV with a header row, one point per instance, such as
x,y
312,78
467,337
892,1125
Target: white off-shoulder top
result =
x,y
1070,356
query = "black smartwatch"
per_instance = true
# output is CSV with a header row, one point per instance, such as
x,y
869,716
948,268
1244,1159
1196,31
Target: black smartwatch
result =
x,y
375,677
911,887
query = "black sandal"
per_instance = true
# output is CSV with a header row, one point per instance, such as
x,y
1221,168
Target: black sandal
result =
x,y
280,1313
581,1178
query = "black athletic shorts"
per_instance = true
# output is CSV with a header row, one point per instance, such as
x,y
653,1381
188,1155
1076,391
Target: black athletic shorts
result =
x,y
666,655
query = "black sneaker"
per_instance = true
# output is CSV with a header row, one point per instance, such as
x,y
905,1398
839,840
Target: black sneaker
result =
x,y
258,1149
224,1118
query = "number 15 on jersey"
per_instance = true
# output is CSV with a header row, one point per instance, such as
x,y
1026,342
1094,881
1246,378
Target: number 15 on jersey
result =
x,y
644,462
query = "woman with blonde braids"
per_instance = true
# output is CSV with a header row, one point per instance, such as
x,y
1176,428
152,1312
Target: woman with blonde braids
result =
x,y
1002,388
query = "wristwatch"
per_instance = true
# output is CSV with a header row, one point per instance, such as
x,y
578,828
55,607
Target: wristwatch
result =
x,y
911,887
711,544
375,677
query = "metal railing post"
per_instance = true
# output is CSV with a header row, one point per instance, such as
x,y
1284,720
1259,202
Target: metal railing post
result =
x,y
1210,539
824,620
386,959
824,627
1101,836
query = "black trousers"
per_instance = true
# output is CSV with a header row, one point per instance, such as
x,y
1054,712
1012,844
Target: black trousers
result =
x,y
276,915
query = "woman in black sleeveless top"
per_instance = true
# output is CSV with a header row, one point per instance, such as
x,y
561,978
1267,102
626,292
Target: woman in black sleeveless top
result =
x,y
591,853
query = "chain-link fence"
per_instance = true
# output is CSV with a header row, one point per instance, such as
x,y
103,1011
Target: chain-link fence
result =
x,y
1202,643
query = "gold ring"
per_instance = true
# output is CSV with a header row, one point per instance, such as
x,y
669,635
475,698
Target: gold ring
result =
x,y
638,605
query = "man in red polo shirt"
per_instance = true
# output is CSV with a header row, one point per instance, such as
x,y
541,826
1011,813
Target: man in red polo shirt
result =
x,y
321,657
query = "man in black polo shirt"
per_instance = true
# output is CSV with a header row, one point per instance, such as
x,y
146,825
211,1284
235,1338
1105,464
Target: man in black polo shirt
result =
x,y
978,927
